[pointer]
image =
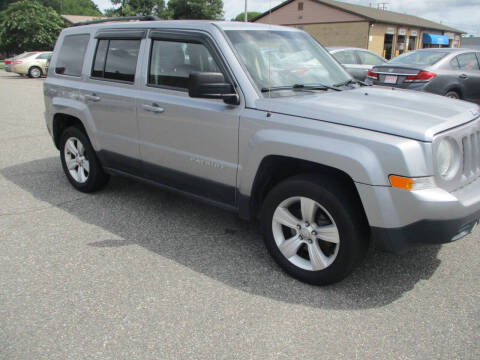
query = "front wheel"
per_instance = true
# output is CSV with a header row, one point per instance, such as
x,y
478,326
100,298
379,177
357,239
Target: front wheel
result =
x,y
314,228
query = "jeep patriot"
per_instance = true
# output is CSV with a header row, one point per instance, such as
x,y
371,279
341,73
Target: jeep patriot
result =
x,y
262,121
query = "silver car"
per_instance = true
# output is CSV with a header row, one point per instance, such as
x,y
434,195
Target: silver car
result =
x,y
262,121
356,61
454,73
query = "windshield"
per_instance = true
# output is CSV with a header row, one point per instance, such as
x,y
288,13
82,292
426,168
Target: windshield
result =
x,y
285,58
419,58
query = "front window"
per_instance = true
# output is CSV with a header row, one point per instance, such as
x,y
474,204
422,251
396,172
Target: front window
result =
x,y
422,58
276,58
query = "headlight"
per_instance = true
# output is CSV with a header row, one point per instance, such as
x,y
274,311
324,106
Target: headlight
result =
x,y
447,158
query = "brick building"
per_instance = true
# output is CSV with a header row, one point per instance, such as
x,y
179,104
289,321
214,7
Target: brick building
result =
x,y
385,32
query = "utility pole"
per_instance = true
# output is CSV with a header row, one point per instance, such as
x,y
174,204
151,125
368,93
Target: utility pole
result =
x,y
246,15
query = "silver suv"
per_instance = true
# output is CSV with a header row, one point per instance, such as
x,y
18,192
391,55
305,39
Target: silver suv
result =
x,y
261,120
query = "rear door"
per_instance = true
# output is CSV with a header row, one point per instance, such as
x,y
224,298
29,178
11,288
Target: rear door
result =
x,y
186,143
469,76
110,94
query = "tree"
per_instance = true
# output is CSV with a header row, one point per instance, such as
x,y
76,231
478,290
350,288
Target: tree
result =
x,y
250,16
138,7
79,7
28,25
54,4
196,9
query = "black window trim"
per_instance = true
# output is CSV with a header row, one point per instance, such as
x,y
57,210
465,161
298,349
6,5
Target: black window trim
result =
x,y
83,63
91,77
188,37
121,34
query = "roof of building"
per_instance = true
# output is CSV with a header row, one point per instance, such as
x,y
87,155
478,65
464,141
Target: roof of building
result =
x,y
377,15
75,19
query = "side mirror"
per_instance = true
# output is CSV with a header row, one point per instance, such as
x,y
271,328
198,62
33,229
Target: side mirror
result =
x,y
211,85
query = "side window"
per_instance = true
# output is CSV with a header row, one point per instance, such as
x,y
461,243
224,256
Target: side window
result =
x,y
367,58
345,57
44,56
72,53
468,61
454,63
171,62
116,59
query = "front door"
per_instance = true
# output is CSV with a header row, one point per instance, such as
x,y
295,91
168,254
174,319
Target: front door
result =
x,y
469,76
185,143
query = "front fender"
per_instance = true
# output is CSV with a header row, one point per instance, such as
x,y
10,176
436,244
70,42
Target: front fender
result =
x,y
367,157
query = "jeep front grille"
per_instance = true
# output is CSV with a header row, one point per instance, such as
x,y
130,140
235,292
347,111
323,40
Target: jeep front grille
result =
x,y
471,155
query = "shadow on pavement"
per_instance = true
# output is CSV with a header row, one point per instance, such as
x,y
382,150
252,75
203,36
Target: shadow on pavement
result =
x,y
215,242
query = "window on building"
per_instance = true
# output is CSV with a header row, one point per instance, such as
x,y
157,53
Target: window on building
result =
x,y
468,61
172,62
72,53
116,59
300,6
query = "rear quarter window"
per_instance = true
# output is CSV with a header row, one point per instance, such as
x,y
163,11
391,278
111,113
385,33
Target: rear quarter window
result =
x,y
72,54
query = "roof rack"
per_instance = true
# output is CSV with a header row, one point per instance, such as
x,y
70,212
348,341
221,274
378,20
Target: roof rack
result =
x,y
120,18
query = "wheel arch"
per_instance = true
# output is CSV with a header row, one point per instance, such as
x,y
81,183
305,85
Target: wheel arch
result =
x,y
62,121
455,87
274,169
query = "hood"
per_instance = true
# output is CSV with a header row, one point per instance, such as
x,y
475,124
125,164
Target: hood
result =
x,y
406,113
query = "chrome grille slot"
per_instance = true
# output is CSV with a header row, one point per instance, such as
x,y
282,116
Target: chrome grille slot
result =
x,y
471,155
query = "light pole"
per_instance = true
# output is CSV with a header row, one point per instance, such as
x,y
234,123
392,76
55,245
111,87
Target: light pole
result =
x,y
246,15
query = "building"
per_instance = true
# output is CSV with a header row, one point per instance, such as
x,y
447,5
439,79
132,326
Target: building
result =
x,y
471,42
76,19
385,32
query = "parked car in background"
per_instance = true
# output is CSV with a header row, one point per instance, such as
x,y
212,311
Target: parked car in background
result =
x,y
454,73
7,64
32,64
356,61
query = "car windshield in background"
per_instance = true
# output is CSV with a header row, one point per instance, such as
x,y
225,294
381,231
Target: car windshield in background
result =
x,y
424,58
285,59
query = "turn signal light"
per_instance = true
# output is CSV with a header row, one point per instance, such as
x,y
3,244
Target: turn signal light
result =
x,y
406,183
372,75
422,76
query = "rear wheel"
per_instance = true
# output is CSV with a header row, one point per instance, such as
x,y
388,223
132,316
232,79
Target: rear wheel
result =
x,y
34,72
79,161
314,229
452,94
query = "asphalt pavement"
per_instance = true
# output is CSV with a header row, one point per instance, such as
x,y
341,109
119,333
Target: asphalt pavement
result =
x,y
134,272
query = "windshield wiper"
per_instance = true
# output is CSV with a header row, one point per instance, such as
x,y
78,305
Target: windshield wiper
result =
x,y
301,87
353,81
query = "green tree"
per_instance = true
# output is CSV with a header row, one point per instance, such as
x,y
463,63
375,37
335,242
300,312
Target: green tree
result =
x,y
250,16
28,25
54,4
138,7
79,7
196,9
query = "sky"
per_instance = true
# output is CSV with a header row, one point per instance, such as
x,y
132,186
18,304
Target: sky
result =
x,y
460,14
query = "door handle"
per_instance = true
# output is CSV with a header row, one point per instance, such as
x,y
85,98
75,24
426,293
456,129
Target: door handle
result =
x,y
92,97
463,76
155,108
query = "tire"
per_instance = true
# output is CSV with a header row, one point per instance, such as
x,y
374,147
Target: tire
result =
x,y
79,161
34,72
453,95
334,213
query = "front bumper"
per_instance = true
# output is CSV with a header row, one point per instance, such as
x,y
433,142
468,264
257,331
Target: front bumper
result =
x,y
399,218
